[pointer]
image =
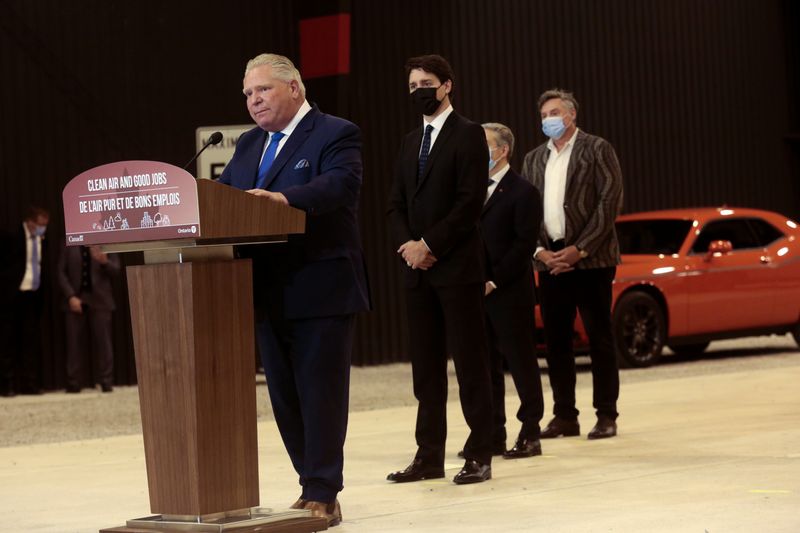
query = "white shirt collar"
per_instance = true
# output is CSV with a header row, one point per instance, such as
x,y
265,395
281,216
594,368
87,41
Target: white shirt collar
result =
x,y
302,112
501,173
438,122
551,145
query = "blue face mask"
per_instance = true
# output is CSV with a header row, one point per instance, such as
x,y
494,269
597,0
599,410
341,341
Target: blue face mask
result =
x,y
553,127
492,162
39,231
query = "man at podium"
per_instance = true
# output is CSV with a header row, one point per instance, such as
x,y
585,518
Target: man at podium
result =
x,y
308,289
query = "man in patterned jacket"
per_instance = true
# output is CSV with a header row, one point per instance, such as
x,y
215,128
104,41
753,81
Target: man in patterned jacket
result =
x,y
580,181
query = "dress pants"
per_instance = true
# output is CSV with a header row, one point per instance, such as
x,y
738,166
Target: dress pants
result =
x,y
87,334
20,349
511,339
588,291
442,321
307,366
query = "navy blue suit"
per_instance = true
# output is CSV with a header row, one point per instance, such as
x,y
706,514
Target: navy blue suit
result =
x,y
307,290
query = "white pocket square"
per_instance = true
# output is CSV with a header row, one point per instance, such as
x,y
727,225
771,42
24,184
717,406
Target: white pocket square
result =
x,y
303,163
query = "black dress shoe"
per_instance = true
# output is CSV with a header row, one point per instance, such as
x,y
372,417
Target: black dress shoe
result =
x,y
107,388
559,427
473,472
605,428
524,448
416,471
497,450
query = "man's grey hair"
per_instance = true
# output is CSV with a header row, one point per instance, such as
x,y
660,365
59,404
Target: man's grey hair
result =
x,y
503,135
282,68
567,97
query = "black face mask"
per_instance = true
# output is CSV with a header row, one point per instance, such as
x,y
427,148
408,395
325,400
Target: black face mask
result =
x,y
424,100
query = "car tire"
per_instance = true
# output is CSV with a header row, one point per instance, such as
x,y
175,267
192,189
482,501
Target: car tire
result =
x,y
690,349
640,330
796,334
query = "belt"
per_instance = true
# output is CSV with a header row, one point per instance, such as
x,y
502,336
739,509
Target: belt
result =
x,y
555,246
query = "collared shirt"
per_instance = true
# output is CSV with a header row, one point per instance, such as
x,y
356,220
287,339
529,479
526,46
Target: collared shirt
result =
x,y
495,180
555,186
437,124
287,131
27,279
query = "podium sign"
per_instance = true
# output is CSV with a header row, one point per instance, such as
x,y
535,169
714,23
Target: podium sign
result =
x,y
131,201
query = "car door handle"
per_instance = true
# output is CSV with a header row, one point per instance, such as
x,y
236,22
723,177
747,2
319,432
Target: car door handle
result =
x,y
765,259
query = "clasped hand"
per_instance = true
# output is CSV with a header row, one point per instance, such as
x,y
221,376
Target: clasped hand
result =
x,y
560,261
416,255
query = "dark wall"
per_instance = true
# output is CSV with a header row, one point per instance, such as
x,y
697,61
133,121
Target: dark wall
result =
x,y
695,96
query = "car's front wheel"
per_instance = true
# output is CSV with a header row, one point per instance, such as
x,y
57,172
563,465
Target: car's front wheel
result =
x,y
640,330
796,333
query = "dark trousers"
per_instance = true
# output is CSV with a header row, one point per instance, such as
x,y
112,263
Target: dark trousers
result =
x,y
307,366
511,339
88,334
21,348
450,320
587,291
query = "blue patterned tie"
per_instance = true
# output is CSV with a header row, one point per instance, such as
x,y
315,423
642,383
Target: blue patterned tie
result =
x,y
35,267
423,153
269,157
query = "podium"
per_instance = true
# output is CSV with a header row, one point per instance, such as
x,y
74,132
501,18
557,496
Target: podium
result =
x,y
191,307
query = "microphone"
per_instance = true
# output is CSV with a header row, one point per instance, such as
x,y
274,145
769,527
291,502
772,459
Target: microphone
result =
x,y
215,138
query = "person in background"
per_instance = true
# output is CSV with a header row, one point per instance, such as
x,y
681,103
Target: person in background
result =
x,y
580,180
23,272
84,276
434,207
510,224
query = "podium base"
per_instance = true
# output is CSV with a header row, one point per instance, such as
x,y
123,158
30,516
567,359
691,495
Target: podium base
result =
x,y
253,520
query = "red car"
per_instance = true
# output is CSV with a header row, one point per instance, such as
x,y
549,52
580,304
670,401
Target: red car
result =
x,y
690,276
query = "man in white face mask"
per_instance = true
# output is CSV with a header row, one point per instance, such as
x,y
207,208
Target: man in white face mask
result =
x,y
580,180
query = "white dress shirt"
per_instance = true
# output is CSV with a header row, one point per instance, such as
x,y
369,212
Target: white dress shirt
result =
x,y
555,186
27,279
437,124
287,131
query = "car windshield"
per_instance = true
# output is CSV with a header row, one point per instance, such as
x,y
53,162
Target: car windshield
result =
x,y
652,237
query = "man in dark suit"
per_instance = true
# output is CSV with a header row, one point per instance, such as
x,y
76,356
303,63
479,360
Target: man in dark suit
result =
x,y
84,276
510,224
23,271
435,203
580,180
308,290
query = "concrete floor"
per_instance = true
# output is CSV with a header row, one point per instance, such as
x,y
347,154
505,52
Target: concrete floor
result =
x,y
705,446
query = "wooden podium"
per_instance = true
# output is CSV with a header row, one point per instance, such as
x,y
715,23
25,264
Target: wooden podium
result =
x,y
191,309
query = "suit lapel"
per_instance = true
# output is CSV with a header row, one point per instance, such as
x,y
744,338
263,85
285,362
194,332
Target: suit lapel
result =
x,y
497,194
254,158
295,141
574,159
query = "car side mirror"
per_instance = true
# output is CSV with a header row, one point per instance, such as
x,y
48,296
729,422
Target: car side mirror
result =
x,y
718,248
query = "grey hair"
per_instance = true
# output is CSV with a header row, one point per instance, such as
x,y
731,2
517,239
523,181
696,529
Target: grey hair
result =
x,y
282,68
567,97
503,135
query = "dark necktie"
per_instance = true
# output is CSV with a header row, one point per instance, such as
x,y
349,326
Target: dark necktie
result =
x,y
426,148
35,265
269,157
